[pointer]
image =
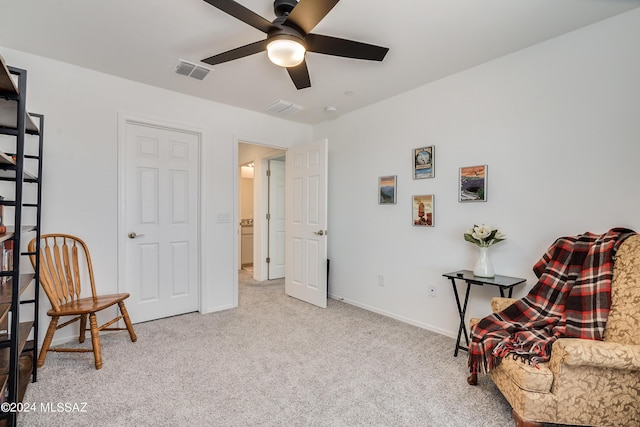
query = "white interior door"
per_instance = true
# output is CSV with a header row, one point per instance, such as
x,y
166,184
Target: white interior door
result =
x,y
159,234
277,217
306,225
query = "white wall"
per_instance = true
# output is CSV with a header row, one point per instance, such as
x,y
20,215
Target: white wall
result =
x,y
80,196
558,125
246,198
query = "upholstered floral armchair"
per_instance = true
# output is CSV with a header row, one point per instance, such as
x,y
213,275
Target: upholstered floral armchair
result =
x,y
590,383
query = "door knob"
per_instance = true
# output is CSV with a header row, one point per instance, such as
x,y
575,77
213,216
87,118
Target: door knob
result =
x,y
133,235
319,232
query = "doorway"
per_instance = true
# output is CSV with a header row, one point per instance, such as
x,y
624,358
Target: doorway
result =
x,y
305,200
259,214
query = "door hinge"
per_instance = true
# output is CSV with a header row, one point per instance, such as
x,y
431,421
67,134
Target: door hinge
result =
x,y
268,260
268,216
268,172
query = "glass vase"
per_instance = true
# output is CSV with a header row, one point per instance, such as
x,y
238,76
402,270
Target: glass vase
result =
x,y
483,267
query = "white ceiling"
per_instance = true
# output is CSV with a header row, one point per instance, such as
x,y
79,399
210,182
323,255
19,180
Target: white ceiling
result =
x,y
142,40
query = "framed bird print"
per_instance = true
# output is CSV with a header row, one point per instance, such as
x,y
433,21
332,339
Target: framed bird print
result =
x,y
423,162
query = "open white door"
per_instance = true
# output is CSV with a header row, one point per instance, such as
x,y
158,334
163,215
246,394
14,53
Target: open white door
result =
x,y
306,249
277,219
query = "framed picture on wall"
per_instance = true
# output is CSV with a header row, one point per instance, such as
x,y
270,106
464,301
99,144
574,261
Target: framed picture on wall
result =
x,y
422,208
473,184
387,186
423,162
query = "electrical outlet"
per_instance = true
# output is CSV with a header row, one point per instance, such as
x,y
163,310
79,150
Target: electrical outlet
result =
x,y
433,292
380,279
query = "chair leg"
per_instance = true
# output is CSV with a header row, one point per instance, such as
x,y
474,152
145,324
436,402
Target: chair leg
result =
x,y
127,321
95,340
83,327
521,422
47,340
472,379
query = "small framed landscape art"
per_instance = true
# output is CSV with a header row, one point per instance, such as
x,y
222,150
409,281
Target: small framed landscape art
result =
x,y
387,190
423,210
473,184
423,162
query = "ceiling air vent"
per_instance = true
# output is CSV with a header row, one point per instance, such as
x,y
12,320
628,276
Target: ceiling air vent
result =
x,y
188,69
283,108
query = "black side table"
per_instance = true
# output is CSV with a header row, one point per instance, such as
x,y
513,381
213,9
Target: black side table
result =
x,y
502,282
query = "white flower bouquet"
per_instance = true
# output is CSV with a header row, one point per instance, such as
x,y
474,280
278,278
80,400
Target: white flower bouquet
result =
x,y
483,235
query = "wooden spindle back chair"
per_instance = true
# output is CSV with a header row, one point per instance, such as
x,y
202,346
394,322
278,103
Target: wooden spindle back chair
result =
x,y
64,262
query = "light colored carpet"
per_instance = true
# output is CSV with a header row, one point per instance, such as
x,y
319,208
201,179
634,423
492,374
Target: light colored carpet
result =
x,y
273,361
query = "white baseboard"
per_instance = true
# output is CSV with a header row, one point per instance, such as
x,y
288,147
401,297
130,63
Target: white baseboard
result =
x,y
395,316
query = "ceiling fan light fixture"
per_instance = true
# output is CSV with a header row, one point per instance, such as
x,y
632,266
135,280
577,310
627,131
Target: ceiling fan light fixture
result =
x,y
286,51
289,36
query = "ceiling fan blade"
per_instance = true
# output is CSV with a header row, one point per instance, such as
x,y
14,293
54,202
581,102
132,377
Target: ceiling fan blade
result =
x,y
308,13
345,48
300,75
240,12
237,53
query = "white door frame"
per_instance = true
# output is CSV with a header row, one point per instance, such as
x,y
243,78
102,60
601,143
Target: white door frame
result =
x,y
123,120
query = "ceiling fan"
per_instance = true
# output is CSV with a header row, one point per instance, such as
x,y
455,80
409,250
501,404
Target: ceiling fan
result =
x,y
289,37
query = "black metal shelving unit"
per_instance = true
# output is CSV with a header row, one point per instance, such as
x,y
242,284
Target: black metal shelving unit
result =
x,y
22,131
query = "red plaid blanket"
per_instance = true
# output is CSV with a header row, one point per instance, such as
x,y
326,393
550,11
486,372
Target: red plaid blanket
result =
x,y
571,299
